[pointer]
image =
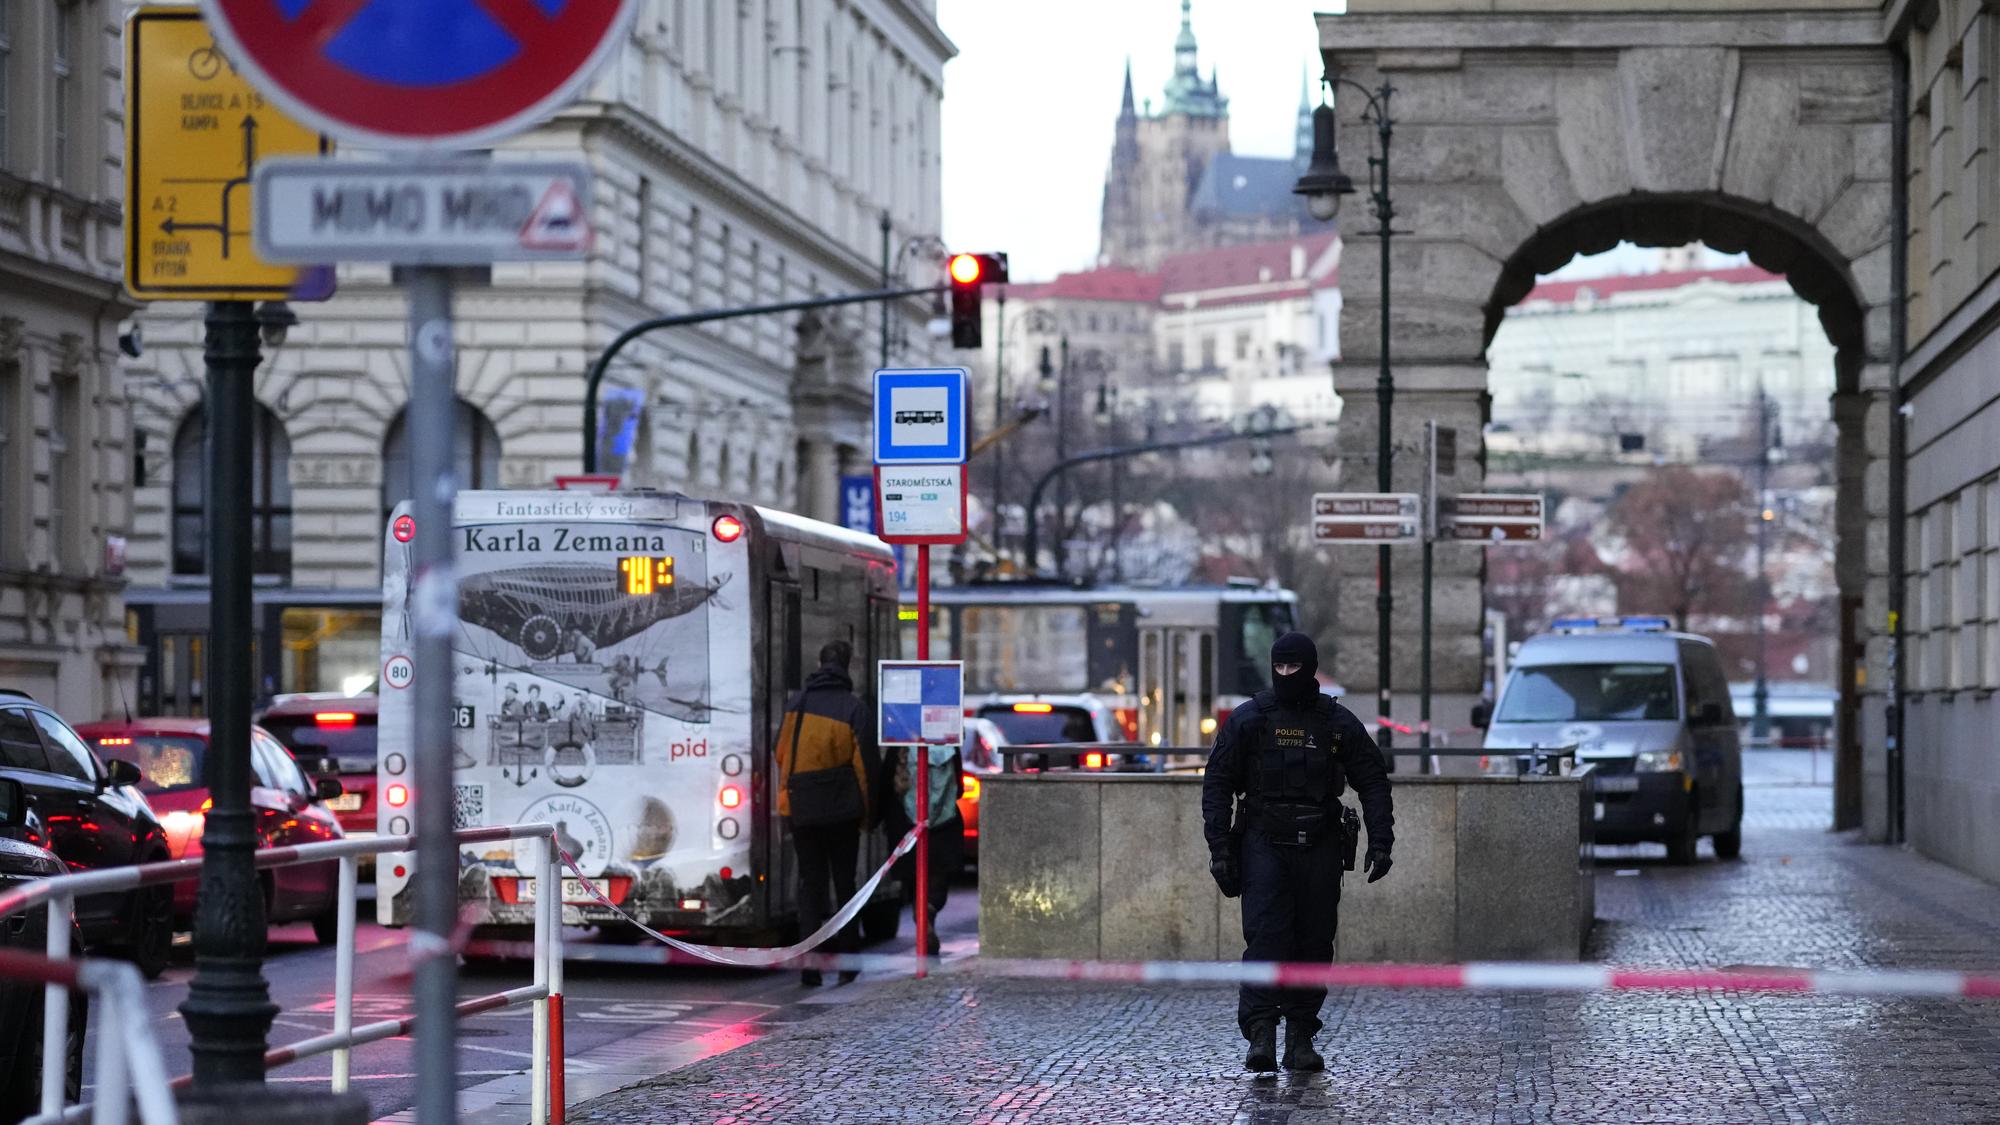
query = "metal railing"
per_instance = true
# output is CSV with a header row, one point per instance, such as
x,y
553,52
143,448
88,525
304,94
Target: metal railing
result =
x,y
127,1002
128,1058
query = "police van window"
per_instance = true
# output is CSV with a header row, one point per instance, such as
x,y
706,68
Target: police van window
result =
x,y
1263,624
1562,693
1025,648
20,746
67,753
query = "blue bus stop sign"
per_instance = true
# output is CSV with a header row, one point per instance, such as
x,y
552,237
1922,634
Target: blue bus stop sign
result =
x,y
920,416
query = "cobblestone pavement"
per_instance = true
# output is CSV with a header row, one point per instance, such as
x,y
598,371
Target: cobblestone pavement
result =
x,y
966,1050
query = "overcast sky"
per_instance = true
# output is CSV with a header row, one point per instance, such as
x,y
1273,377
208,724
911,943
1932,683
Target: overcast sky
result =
x,y
1031,99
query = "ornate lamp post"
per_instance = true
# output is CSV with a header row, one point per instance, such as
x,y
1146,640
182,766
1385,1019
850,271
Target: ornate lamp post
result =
x,y
1323,185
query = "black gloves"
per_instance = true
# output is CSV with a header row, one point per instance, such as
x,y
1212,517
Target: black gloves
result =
x,y
1376,863
1228,874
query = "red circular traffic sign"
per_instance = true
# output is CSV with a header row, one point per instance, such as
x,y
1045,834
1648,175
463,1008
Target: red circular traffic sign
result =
x,y
436,74
405,528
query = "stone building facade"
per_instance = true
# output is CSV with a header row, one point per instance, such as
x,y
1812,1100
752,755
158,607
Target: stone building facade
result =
x,y
64,425
743,153
1174,185
1949,380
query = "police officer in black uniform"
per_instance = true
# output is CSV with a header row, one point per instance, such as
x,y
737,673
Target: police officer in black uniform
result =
x,y
1288,754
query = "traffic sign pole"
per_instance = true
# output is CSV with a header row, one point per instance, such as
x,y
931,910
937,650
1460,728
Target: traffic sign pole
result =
x,y
434,595
923,771
1430,536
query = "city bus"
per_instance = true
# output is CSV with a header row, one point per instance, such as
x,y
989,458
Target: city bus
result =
x,y
621,665
1170,661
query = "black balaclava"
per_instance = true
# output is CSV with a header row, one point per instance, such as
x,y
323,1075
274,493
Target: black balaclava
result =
x,y
1302,685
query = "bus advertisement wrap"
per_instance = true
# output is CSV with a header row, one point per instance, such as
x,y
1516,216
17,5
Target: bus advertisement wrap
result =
x,y
591,690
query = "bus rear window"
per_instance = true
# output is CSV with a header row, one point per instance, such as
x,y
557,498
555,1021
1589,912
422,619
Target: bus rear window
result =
x,y
1059,724
351,746
1262,624
1025,648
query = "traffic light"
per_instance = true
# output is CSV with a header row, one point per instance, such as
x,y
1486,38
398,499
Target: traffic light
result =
x,y
968,272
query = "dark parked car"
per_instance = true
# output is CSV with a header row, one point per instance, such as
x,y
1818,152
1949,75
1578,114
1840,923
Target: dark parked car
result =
x,y
92,815
20,1000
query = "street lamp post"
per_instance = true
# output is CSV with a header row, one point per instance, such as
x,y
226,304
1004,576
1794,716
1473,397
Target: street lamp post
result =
x,y
1036,319
1323,185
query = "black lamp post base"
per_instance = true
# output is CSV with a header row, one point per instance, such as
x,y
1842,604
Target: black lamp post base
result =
x,y
235,1103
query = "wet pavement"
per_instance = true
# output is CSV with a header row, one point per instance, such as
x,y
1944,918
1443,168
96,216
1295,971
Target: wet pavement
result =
x,y
977,1050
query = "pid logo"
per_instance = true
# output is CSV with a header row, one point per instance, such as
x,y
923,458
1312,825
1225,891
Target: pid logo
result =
x,y
689,748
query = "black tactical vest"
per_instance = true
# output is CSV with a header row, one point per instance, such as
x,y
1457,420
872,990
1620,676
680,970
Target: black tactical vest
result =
x,y
1298,776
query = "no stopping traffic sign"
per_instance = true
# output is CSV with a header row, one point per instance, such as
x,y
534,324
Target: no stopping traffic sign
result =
x,y
419,73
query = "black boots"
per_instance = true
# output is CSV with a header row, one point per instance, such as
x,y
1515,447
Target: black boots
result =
x,y
1263,1056
1299,1053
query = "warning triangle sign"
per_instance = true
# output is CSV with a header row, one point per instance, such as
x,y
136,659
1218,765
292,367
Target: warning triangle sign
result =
x,y
557,222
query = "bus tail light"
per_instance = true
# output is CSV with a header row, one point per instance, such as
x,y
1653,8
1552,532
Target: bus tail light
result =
x,y
732,797
397,795
728,529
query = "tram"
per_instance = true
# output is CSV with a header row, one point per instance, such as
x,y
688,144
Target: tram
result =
x,y
1172,661
622,663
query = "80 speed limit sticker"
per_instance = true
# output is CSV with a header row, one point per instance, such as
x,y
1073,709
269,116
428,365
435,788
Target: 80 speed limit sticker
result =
x,y
398,672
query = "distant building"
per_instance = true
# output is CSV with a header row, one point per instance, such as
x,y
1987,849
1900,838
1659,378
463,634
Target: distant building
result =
x,y
1656,367
1174,185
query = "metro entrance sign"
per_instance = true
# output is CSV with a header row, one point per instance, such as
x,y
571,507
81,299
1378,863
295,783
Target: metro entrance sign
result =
x,y
429,74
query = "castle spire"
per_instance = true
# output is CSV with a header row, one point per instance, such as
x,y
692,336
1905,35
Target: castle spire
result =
x,y
1184,45
1302,145
1126,108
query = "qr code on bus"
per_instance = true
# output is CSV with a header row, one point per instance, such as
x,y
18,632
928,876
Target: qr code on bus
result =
x,y
468,805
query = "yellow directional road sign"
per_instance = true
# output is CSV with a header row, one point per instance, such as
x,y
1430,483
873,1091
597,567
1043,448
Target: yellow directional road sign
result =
x,y
194,132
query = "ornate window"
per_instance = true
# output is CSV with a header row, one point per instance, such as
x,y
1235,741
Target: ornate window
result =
x,y
270,495
477,460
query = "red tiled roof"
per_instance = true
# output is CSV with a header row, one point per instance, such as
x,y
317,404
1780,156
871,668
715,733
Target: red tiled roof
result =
x,y
1115,284
1565,292
1257,263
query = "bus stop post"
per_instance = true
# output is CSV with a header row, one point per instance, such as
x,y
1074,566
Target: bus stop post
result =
x,y
434,598
922,773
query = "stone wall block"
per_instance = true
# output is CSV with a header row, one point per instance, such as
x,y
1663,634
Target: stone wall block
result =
x,y
1855,94
1520,94
1874,151
1674,99
1859,222
1536,176
1872,274
1818,166
1590,132
1436,154
1457,271
1760,131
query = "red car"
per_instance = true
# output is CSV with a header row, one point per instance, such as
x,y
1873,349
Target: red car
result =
x,y
332,735
290,810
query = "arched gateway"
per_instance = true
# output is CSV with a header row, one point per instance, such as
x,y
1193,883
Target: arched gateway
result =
x,y
1525,138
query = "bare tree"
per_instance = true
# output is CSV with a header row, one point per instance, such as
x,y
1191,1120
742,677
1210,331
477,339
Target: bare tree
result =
x,y
1686,534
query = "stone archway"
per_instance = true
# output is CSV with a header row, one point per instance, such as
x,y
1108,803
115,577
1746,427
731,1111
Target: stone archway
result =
x,y
1526,138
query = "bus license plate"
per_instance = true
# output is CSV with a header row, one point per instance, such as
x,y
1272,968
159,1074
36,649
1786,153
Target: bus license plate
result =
x,y
1617,785
573,891
346,802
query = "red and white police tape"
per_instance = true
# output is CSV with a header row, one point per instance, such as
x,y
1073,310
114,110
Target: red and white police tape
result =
x,y
1477,976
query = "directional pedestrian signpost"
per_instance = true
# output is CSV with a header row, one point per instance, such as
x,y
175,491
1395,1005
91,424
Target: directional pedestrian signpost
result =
x,y
196,133
432,79
1373,518
1491,517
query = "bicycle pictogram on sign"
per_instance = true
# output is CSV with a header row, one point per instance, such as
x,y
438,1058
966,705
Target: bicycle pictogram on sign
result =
x,y
420,73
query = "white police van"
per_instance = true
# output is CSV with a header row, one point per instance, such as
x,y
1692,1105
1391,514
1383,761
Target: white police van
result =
x,y
1649,709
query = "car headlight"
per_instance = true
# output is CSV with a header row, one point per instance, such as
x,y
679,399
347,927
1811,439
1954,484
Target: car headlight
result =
x,y
1657,761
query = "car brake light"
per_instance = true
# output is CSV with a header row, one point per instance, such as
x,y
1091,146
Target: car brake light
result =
x,y
114,742
208,804
397,796
728,528
1093,761
971,786
334,718
732,797
1034,708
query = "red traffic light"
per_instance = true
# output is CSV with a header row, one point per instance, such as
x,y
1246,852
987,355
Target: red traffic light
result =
x,y
967,269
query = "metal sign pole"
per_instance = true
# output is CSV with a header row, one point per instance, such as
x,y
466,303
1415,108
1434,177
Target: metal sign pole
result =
x,y
1430,539
435,594
921,781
